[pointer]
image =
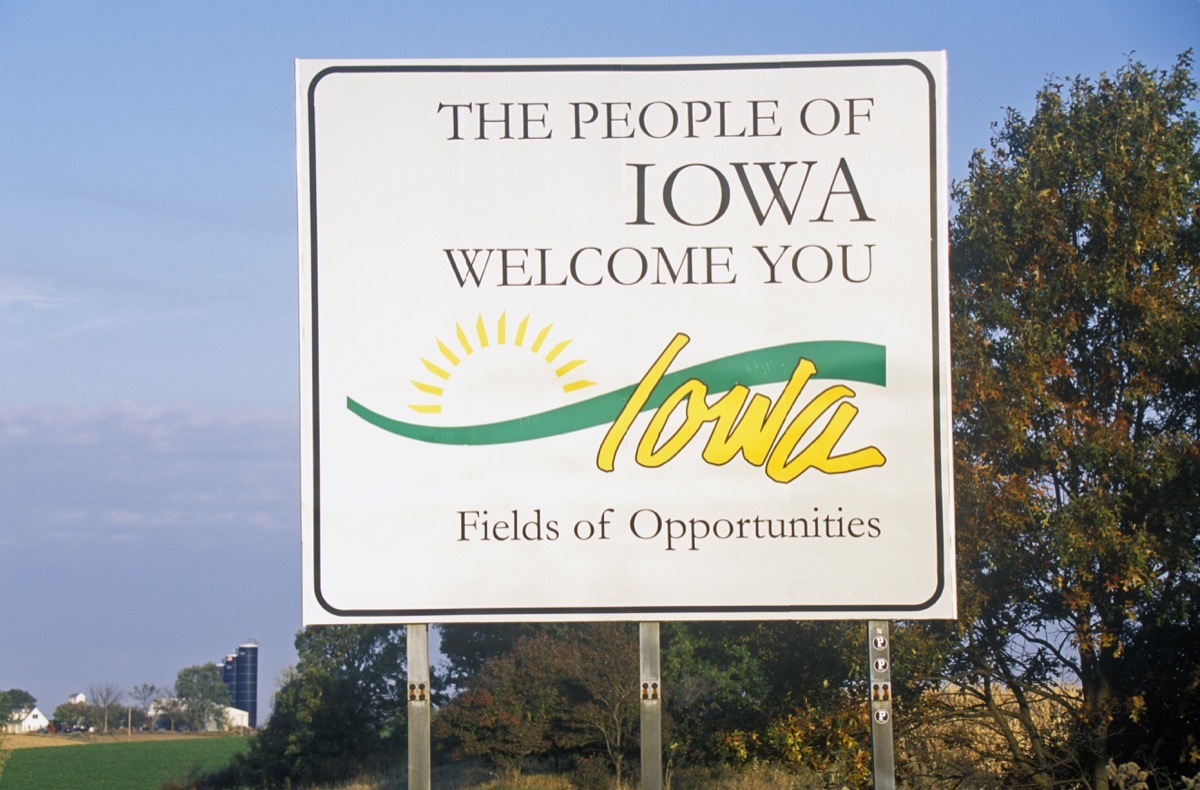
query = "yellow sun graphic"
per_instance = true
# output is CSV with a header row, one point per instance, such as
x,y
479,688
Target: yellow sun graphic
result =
x,y
453,354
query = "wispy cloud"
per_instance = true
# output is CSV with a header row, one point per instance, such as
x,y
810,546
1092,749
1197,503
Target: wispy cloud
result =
x,y
60,314
113,472
22,291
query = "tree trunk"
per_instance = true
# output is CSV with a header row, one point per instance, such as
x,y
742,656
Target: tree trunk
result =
x,y
1097,664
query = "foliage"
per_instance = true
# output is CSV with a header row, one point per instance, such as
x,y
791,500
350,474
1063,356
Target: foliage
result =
x,y
145,694
564,692
75,715
1077,358
169,707
510,712
468,647
105,699
784,692
742,694
202,695
603,663
117,766
340,706
15,699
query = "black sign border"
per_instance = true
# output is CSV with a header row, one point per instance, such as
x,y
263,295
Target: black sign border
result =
x,y
937,238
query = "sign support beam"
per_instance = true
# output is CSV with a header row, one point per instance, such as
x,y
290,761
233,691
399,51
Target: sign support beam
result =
x,y
419,775
879,659
651,706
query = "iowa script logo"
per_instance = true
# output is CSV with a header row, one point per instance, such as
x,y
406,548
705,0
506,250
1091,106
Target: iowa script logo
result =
x,y
771,433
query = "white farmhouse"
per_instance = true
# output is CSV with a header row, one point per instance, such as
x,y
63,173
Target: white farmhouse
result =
x,y
26,720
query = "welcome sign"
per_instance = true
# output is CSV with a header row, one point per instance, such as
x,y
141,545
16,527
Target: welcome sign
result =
x,y
624,339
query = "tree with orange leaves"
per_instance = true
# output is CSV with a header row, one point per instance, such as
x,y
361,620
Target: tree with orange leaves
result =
x,y
1075,288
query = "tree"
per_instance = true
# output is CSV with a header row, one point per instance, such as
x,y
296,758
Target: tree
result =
x,y
168,706
12,701
74,715
558,692
105,698
15,700
603,658
513,709
145,694
343,702
469,646
1076,327
738,692
203,696
792,693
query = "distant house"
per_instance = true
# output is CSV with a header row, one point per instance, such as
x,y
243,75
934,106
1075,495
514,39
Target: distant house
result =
x,y
236,718
167,711
78,698
26,720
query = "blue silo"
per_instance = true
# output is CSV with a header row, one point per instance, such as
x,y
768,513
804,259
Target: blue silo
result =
x,y
245,694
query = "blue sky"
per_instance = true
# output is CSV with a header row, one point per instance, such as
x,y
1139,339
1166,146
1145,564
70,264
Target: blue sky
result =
x,y
148,319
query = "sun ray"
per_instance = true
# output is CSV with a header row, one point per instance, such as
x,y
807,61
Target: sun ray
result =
x,y
577,385
462,340
567,368
435,370
500,328
428,389
558,349
541,338
520,341
481,331
448,354
426,408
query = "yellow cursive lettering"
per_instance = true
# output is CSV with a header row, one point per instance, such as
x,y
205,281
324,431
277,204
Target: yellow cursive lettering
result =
x,y
742,423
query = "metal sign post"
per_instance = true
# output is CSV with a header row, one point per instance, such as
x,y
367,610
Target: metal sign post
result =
x,y
651,707
418,707
880,660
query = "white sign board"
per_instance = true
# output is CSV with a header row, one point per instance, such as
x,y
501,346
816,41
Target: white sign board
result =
x,y
625,339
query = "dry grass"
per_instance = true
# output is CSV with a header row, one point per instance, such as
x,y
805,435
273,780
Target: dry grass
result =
x,y
474,778
38,740
960,735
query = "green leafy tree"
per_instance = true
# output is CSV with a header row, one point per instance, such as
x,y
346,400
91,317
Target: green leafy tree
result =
x,y
15,700
738,693
467,647
74,715
791,693
1076,329
559,693
202,696
514,708
342,705
11,701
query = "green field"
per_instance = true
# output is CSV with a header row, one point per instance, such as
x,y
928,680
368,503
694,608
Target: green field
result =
x,y
119,766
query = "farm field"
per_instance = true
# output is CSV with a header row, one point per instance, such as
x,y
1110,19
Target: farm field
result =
x,y
140,763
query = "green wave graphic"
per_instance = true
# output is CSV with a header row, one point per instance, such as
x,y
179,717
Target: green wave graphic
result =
x,y
845,360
